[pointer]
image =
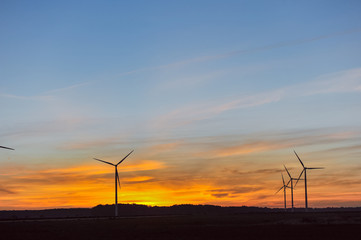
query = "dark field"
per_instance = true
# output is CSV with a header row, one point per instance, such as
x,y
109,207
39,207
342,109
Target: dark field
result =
x,y
241,226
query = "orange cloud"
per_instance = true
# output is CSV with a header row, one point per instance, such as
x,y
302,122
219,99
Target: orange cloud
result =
x,y
76,186
165,146
137,179
247,149
144,165
185,177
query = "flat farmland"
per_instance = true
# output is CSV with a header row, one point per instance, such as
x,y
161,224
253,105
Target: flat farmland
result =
x,y
240,226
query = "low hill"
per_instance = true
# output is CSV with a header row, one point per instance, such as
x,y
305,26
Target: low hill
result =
x,y
129,210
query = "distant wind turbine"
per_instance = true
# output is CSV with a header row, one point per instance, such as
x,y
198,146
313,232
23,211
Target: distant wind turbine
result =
x,y
304,171
116,179
7,148
284,191
292,187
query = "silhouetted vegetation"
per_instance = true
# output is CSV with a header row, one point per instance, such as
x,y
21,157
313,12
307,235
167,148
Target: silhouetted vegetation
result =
x,y
129,210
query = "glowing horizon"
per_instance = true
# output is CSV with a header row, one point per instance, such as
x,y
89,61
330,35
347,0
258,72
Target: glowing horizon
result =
x,y
214,97
163,183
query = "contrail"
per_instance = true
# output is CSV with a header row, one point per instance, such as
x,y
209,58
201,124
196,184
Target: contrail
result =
x,y
288,43
245,51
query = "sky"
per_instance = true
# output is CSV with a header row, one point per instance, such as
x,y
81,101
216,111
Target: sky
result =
x,y
213,96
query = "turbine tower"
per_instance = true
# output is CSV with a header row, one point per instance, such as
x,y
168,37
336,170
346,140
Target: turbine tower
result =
x,y
305,177
284,191
7,148
292,187
116,179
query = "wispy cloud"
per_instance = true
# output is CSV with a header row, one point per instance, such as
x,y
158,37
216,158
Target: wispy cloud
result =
x,y
248,148
79,145
236,190
43,128
288,43
136,180
46,96
5,190
221,147
203,111
164,147
339,82
263,172
241,52
249,101
71,87
28,98
171,83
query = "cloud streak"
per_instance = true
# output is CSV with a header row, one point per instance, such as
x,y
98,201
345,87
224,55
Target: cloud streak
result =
x,y
71,87
248,148
47,96
27,98
241,52
165,183
339,82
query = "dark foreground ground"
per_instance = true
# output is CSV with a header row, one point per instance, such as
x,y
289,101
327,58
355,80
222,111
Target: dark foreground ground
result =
x,y
279,226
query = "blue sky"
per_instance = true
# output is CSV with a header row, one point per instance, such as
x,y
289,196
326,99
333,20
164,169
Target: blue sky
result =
x,y
188,84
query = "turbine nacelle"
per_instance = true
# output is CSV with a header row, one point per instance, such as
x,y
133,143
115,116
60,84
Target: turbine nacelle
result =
x,y
304,168
284,185
115,165
292,186
291,178
299,159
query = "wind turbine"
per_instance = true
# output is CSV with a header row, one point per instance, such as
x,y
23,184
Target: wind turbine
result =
x,y
7,148
305,177
284,191
117,181
292,187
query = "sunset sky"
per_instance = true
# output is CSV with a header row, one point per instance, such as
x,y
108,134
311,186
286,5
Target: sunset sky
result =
x,y
213,96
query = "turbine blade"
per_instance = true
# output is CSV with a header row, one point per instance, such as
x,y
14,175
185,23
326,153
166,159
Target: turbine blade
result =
x,y
280,189
287,171
299,159
124,158
116,169
283,180
316,168
7,148
288,183
298,179
104,161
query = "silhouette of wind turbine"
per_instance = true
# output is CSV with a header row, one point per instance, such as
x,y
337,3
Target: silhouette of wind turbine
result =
x,y
7,148
284,191
117,181
305,177
292,187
